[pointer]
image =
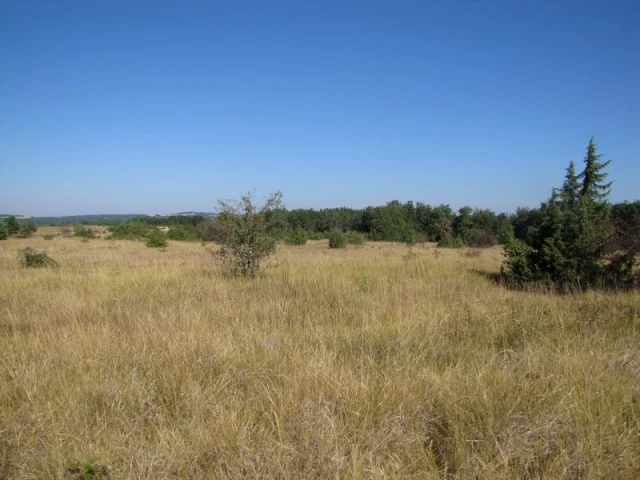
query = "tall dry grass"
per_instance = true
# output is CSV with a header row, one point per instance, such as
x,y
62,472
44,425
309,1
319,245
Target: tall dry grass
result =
x,y
364,363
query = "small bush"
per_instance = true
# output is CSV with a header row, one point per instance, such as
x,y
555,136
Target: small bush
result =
x,y
156,239
449,241
48,236
133,230
246,240
66,232
297,237
30,258
356,238
92,470
337,239
83,232
184,233
211,231
479,238
4,231
11,224
24,231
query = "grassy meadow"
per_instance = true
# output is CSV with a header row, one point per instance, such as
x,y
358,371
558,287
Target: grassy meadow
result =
x,y
367,362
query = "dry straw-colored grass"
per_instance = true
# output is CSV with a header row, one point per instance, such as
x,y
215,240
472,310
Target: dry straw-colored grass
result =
x,y
362,363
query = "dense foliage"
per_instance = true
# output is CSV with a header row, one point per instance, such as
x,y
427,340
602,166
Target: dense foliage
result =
x,y
156,239
569,243
83,232
337,239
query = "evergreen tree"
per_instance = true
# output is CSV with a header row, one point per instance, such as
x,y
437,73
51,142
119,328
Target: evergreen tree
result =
x,y
571,188
12,224
568,247
592,176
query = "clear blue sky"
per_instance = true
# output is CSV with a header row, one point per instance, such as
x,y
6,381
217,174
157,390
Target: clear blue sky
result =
x,y
153,107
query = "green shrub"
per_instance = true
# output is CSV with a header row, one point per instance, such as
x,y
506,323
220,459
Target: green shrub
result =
x,y
337,239
24,230
11,224
479,238
83,232
156,239
449,241
356,238
30,258
4,231
184,233
297,236
48,236
134,230
92,470
245,234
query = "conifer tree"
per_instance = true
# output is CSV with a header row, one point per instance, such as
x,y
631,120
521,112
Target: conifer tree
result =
x,y
592,176
569,247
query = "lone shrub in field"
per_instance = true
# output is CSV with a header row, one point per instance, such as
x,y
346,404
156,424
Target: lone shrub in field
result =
x,y
337,239
297,237
156,239
83,232
48,236
245,238
30,258
356,238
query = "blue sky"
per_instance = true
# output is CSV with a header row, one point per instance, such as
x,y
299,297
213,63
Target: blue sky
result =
x,y
152,107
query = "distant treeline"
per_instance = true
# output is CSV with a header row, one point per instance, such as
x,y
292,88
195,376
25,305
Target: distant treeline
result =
x,y
396,221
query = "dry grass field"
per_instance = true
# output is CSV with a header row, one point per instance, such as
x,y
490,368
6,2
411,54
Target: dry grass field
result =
x,y
368,362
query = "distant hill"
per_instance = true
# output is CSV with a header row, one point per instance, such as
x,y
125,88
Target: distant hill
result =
x,y
98,219
104,218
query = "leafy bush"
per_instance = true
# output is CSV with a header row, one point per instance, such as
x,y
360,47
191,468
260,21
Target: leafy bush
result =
x,y
337,239
92,470
297,236
134,230
48,236
66,232
11,224
449,241
211,231
4,231
478,238
356,238
30,258
245,238
156,239
83,232
622,271
24,230
184,233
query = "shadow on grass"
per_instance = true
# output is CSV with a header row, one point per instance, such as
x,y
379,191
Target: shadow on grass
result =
x,y
495,277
